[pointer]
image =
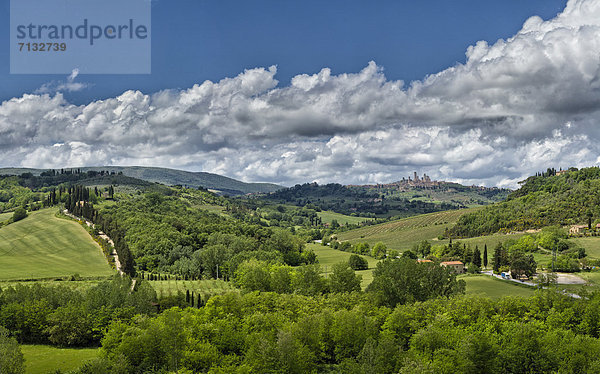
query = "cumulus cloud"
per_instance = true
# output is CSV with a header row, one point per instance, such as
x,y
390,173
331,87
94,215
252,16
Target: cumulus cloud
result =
x,y
514,107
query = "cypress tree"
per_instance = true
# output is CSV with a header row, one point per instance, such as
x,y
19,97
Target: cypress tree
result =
x,y
485,256
476,257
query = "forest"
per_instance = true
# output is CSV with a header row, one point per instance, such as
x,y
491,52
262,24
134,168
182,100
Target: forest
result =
x,y
572,197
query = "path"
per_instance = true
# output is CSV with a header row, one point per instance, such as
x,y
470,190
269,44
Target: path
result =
x,y
113,253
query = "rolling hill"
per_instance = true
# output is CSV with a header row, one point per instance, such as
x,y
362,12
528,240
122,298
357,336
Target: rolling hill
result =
x,y
171,177
44,246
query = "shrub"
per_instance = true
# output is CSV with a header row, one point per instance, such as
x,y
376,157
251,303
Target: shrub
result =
x,y
19,214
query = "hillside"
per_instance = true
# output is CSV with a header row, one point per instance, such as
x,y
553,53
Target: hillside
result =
x,y
550,198
404,233
171,177
44,246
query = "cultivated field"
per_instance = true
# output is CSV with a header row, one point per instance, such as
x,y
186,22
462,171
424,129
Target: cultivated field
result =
x,y
402,234
329,257
206,287
43,359
342,219
44,246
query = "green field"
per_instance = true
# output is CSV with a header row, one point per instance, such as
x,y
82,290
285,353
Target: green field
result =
x,y
480,284
206,287
43,359
403,233
5,216
329,257
591,245
342,219
44,246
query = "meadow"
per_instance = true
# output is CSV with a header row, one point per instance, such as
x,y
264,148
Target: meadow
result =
x,y
343,219
329,257
481,284
43,246
43,359
5,216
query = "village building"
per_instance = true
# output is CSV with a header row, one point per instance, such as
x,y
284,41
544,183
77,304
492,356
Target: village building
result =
x,y
457,266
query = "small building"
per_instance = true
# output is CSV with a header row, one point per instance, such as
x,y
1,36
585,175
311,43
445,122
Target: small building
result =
x,y
422,261
577,229
457,266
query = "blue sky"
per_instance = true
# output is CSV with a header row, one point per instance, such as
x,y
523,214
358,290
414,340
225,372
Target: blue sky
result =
x,y
477,92
196,40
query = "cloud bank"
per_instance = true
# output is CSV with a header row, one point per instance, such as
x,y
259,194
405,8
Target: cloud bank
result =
x,y
514,107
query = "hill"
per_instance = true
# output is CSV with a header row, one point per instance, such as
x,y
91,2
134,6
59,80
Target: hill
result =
x,y
549,198
44,246
170,177
403,233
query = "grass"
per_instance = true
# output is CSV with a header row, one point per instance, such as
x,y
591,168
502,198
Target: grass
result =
x,y
44,246
205,287
43,359
591,245
342,219
480,284
403,233
329,257
5,216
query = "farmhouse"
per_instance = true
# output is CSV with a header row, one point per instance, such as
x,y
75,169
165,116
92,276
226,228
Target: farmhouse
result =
x,y
577,229
457,266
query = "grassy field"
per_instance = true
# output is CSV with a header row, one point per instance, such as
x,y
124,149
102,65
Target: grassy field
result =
x,y
342,219
207,287
329,257
43,359
593,282
402,234
591,245
44,246
480,284
5,216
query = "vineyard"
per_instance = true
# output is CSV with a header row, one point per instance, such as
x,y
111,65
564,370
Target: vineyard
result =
x,y
403,233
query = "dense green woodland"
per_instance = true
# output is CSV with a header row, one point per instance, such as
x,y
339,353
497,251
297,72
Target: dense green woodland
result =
x,y
543,200
271,333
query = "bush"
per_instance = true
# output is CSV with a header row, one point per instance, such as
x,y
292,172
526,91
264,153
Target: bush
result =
x,y
19,214
357,262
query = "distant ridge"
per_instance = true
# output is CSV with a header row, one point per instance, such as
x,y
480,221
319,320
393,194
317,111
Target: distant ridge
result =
x,y
171,177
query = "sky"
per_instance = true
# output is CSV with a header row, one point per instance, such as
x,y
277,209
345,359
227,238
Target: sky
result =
x,y
353,92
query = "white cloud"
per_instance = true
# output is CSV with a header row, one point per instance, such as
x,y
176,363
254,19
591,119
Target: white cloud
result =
x,y
69,86
515,107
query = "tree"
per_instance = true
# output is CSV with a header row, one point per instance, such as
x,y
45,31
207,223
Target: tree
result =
x,y
357,262
343,279
19,214
522,264
11,358
253,275
379,250
476,260
405,280
500,258
307,280
485,256
423,248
